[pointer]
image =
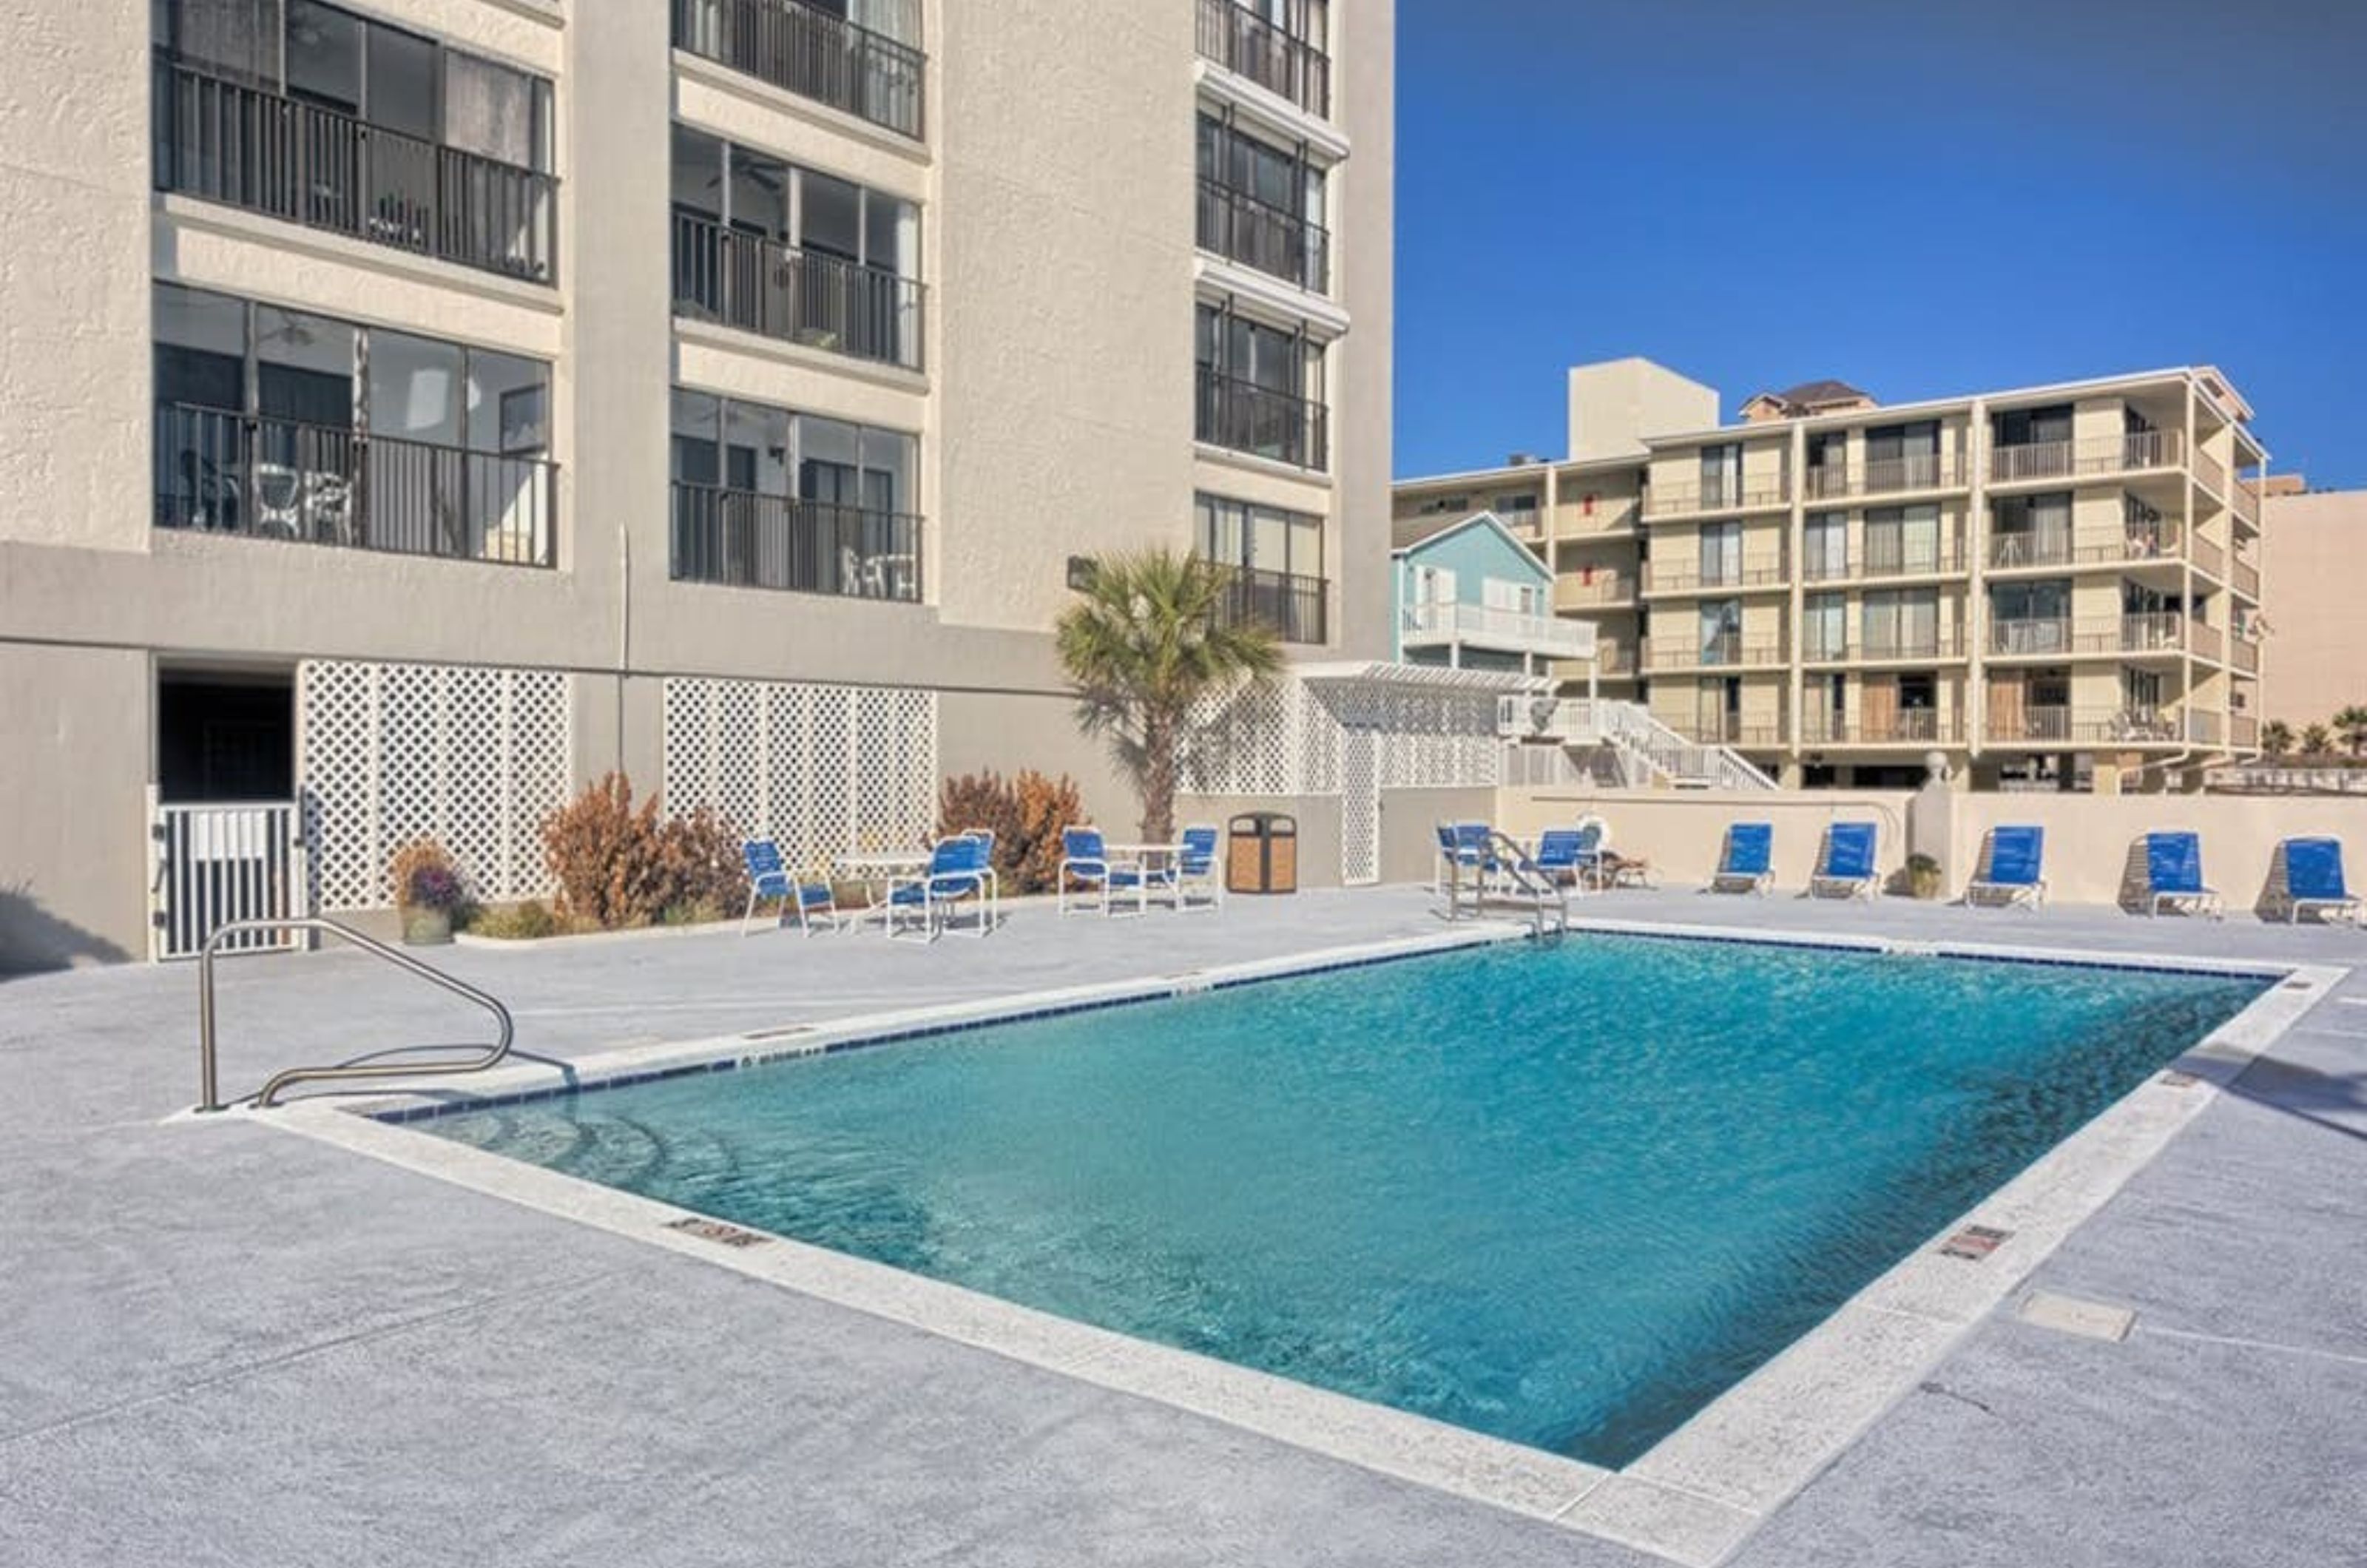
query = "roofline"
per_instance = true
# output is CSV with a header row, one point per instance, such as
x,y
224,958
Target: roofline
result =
x,y
1473,476
2189,374
1480,517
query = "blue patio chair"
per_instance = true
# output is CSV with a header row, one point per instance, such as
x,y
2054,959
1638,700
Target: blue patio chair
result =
x,y
1563,854
2307,874
2173,865
993,877
2011,872
957,875
810,904
1194,869
1845,864
1747,862
1091,880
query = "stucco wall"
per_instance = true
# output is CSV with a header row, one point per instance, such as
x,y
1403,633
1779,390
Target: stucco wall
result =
x,y
73,840
1683,832
2088,837
2312,582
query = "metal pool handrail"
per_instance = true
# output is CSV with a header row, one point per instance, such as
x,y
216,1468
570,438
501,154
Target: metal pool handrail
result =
x,y
208,1083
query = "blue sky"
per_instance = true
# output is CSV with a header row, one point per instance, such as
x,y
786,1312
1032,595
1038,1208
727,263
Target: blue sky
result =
x,y
1919,197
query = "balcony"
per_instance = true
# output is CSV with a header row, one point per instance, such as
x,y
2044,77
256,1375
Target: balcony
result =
x,y
2244,731
1596,519
2245,578
2135,452
2247,501
2053,547
221,472
759,285
2209,557
804,49
1296,607
1724,653
1890,558
262,152
2162,633
1274,240
1713,576
1574,591
1912,727
741,539
1886,648
1486,627
1248,45
2069,726
2211,472
2202,640
1890,476
1750,493
1241,416
1731,729
2246,654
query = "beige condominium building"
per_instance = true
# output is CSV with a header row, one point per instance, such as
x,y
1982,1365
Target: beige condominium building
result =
x,y
2051,585
2315,587
417,408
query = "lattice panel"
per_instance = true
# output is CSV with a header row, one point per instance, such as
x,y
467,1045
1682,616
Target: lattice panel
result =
x,y
1289,739
820,770
473,757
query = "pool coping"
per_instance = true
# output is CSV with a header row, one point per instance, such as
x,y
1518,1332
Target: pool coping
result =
x,y
1693,1498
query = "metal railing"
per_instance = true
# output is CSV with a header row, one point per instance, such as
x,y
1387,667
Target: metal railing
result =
x,y
247,147
759,285
1945,642
1910,727
1486,624
2246,499
2131,453
1248,45
1717,652
1242,416
370,1066
1275,241
1919,470
1882,557
741,539
2158,633
1297,607
1573,520
219,863
1602,588
805,49
2063,726
1758,573
2051,547
223,472
1744,494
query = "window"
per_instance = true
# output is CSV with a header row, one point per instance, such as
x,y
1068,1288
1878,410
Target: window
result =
x,y
1277,560
2033,530
1824,624
1827,541
1721,553
1260,388
1902,539
1901,624
1721,475
1512,598
2024,427
1517,508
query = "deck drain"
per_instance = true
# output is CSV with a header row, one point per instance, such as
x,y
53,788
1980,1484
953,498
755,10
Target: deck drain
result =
x,y
1974,1243
2069,1315
717,1230
2178,1078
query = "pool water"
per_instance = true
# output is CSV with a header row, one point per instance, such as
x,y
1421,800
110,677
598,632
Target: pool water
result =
x,y
1563,1194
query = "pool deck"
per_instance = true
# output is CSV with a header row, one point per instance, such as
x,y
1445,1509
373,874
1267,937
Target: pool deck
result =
x,y
227,1344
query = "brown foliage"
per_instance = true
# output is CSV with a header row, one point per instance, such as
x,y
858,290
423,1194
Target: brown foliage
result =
x,y
425,877
619,865
1027,815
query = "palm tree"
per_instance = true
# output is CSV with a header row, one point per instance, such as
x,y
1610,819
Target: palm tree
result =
x,y
2316,742
2351,725
2277,738
1151,637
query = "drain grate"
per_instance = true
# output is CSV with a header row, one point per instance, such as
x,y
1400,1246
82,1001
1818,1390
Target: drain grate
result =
x,y
2070,1314
717,1230
1974,1243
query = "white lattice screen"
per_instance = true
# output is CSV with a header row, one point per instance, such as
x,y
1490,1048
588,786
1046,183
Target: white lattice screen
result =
x,y
820,770
474,758
1289,739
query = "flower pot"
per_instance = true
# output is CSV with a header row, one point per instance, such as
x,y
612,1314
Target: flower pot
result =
x,y
426,928
1923,882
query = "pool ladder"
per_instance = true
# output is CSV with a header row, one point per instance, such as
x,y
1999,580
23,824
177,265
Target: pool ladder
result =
x,y
208,1083
1518,880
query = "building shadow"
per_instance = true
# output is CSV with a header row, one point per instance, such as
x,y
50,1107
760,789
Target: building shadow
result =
x,y
33,941
2308,1095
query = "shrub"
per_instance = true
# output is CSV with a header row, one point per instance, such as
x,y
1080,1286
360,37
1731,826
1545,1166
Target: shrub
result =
x,y
1027,813
619,866
425,877
515,922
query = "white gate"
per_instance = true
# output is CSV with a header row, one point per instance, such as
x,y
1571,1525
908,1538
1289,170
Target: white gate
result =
x,y
216,864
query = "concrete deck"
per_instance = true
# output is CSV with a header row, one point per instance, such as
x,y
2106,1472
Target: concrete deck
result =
x,y
230,1345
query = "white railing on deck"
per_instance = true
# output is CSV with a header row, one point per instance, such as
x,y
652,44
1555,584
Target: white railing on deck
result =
x,y
1485,624
1630,729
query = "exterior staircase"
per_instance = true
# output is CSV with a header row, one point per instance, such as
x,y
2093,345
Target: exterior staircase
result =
x,y
1623,739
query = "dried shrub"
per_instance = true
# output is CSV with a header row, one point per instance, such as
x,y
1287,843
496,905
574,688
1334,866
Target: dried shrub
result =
x,y
425,877
619,866
515,922
1027,813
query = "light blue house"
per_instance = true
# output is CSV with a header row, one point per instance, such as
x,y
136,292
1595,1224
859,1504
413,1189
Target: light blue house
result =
x,y
1471,596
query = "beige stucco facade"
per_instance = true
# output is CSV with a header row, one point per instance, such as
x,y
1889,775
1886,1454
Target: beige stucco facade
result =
x,y
2058,583
2313,585
1051,400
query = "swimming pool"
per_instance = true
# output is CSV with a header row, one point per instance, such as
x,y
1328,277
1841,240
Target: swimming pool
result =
x,y
1564,1195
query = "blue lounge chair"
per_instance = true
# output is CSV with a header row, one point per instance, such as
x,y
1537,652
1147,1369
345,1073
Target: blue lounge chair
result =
x,y
1091,880
958,876
1194,869
2312,879
810,904
2174,875
1747,862
1563,854
2012,862
1846,864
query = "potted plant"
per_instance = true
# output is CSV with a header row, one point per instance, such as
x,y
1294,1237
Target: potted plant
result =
x,y
427,892
1922,876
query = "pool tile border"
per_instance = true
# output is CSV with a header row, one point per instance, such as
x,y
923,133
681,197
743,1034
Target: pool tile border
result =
x,y
1693,1499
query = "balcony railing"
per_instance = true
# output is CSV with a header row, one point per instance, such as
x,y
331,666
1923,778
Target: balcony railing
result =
x,y
2244,730
1715,574
2209,557
1276,242
1575,520
742,539
1747,493
2210,471
262,152
1486,625
2131,453
1294,606
223,472
2202,726
759,285
2161,633
1941,642
1910,726
1578,593
1889,558
2066,727
1731,729
1715,652
1242,416
1247,44
2246,654
1890,476
2245,578
804,49
2053,547
2247,500
2202,640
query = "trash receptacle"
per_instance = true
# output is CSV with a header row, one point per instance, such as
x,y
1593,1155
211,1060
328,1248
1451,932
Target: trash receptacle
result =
x,y
1262,853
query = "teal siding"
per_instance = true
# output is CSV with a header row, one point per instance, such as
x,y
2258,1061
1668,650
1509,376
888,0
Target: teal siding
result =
x,y
1474,555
